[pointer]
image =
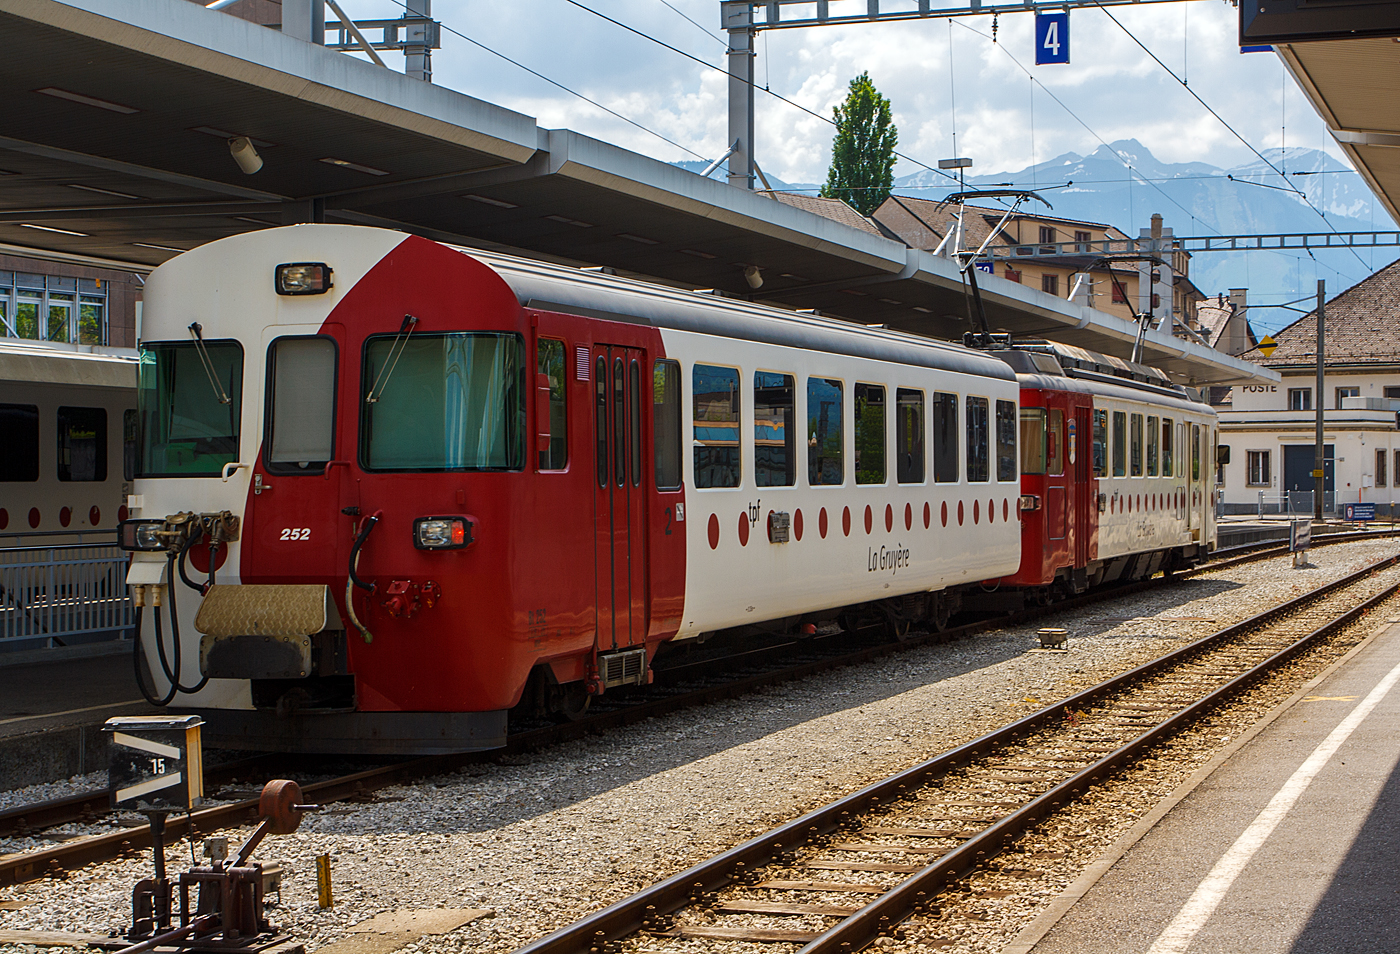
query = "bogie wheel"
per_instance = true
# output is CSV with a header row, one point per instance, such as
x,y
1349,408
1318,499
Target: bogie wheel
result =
x,y
278,804
570,702
938,612
897,628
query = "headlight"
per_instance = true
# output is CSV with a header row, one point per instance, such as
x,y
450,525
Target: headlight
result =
x,y
303,278
140,535
442,533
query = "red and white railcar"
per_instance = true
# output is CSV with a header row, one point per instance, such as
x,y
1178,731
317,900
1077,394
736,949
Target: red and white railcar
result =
x,y
426,483
1117,466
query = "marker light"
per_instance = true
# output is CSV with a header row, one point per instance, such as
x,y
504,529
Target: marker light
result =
x,y
303,278
442,533
140,535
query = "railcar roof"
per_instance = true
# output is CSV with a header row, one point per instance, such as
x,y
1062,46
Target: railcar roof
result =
x,y
1123,392
597,295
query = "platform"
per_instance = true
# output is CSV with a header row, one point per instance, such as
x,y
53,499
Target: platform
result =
x,y
51,715
1290,844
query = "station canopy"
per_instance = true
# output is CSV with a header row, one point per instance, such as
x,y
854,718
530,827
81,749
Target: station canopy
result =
x,y
117,148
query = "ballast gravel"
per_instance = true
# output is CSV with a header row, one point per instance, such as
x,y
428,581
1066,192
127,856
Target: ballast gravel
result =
x,y
545,838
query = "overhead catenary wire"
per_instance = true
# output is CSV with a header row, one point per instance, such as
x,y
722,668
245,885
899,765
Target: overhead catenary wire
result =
x,y
715,36
1234,132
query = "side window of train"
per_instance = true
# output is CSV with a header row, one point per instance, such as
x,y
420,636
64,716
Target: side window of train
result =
x,y
300,419
666,423
870,434
978,439
634,405
945,438
715,400
1100,443
1034,440
82,443
1152,433
19,435
1195,452
130,419
1006,440
774,407
1135,457
909,436
549,354
1055,443
825,434
1120,443
1166,447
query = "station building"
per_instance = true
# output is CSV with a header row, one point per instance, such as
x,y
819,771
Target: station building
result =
x,y
1270,428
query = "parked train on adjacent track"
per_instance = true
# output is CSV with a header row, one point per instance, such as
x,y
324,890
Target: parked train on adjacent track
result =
x,y
389,489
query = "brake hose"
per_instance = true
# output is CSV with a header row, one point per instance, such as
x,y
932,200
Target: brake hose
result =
x,y
136,655
175,634
200,588
354,580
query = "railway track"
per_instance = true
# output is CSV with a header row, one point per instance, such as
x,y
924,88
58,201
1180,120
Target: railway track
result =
x,y
677,686
874,862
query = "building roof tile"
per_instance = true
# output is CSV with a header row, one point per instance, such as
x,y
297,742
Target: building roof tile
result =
x,y
1363,327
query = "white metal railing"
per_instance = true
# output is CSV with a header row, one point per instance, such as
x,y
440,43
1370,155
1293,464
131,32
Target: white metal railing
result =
x,y
50,594
1298,503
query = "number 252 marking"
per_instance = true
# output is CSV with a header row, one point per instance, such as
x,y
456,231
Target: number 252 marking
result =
x,y
296,533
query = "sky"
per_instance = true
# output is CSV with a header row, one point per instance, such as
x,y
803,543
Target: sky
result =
x,y
945,79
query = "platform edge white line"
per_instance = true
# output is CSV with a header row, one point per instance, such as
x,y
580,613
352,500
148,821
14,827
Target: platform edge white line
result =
x,y
1032,934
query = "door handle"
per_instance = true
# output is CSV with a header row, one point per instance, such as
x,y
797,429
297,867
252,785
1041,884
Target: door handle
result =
x,y
334,463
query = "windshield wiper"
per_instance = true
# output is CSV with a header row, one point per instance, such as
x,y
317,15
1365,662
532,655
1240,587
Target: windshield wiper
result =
x,y
197,332
400,342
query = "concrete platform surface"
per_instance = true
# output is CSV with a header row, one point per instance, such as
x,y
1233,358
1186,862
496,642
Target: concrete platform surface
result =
x,y
51,715
1291,845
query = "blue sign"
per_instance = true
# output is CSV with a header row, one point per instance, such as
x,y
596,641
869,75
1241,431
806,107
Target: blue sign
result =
x,y
990,269
1051,38
1360,511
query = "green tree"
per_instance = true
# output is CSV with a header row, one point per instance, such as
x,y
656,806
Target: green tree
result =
x,y
862,153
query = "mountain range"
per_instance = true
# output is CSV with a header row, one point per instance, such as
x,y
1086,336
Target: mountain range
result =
x,y
1198,198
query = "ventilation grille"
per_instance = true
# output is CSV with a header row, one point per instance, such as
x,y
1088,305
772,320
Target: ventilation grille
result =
x,y
581,363
623,669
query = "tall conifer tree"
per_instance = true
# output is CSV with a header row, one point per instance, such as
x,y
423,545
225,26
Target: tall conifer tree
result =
x,y
862,153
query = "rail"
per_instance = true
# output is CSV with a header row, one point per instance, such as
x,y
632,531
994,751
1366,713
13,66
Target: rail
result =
x,y
56,595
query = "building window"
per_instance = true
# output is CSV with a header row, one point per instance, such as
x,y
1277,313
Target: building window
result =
x,y
1300,399
53,308
1120,294
1082,240
1047,235
1050,284
1012,275
1381,456
1346,393
1392,393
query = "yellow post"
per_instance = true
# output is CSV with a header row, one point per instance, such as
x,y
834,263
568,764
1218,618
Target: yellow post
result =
x,y
323,881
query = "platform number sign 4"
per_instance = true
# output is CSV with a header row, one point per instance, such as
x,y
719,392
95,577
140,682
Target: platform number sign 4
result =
x,y
1051,38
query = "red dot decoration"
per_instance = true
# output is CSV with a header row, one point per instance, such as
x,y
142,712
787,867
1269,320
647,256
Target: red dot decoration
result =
x,y
889,518
797,524
122,514
94,516
1005,508
960,513
927,515
869,519
821,523
908,517
714,531
976,511
65,516
4,518
744,528
846,520
34,518
944,513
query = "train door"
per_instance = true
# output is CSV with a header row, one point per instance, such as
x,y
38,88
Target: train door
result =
x,y
1197,481
620,506
295,498
1085,513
